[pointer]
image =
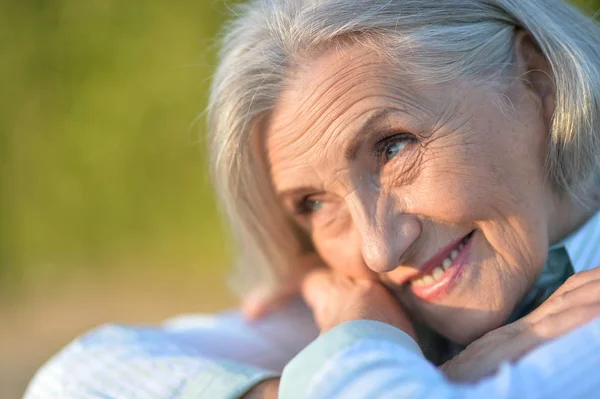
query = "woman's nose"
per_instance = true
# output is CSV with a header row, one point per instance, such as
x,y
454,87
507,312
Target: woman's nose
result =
x,y
385,233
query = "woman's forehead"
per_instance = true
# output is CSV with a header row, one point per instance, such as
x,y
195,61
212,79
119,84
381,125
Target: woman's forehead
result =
x,y
330,98
342,80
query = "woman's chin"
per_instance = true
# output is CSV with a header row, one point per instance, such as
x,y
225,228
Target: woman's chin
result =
x,y
460,324
467,325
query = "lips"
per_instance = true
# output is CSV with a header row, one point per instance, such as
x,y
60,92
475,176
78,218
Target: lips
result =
x,y
441,272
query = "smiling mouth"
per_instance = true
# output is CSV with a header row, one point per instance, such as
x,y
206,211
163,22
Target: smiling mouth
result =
x,y
440,272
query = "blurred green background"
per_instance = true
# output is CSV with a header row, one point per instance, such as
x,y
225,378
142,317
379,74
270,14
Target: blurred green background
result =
x,y
106,211
102,164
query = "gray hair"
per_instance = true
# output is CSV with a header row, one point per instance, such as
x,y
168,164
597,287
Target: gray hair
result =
x,y
454,38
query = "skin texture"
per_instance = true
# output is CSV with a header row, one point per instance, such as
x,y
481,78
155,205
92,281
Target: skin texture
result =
x,y
264,390
465,157
336,299
574,303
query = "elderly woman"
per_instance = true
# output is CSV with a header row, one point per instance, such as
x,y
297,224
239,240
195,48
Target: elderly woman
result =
x,y
412,167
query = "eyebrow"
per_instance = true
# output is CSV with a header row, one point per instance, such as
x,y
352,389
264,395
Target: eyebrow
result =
x,y
294,192
351,152
361,135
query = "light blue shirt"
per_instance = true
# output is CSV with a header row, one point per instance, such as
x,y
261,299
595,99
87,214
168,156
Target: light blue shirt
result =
x,y
359,359
192,356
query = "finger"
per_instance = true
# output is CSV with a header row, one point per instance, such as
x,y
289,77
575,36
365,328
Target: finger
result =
x,y
315,287
256,304
555,325
550,327
579,279
264,301
462,368
586,293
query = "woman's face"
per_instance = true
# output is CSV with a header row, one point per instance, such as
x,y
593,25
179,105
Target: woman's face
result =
x,y
437,191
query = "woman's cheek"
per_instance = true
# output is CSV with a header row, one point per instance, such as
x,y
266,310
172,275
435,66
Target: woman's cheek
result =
x,y
343,254
448,201
451,190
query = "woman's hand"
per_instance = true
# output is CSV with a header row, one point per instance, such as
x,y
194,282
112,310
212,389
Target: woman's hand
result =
x,y
264,390
575,303
266,300
335,299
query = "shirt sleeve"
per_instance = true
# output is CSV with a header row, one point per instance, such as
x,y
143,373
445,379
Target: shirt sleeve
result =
x,y
269,343
212,356
142,363
369,359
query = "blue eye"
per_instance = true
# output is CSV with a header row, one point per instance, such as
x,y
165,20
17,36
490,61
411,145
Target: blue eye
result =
x,y
390,147
308,206
314,205
393,150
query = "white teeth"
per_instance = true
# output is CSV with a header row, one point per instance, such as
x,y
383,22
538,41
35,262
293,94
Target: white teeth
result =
x,y
429,279
418,282
447,263
438,272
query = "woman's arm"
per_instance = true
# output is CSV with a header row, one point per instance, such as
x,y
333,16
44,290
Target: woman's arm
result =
x,y
131,362
364,351
215,356
368,359
269,343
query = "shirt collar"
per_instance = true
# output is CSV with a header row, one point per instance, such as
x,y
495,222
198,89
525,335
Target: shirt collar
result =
x,y
583,246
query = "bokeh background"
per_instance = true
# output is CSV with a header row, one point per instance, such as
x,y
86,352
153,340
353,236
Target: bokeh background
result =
x,y
106,210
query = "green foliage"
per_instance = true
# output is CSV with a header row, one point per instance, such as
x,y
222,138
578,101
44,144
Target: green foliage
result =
x,y
102,155
102,164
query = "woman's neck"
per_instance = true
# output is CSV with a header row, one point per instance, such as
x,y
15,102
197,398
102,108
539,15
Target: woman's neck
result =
x,y
572,213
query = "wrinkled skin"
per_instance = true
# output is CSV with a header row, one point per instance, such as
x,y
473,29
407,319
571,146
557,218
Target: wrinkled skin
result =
x,y
382,173
573,304
336,298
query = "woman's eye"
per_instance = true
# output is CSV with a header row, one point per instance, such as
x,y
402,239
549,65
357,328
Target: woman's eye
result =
x,y
390,147
314,205
308,206
394,149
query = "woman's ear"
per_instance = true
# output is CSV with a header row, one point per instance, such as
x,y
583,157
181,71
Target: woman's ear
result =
x,y
535,71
